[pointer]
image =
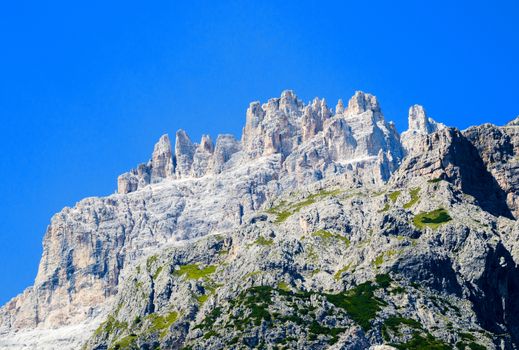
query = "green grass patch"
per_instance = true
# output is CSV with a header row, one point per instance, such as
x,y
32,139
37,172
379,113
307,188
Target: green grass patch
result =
x,y
161,323
414,198
421,342
316,329
314,272
209,290
151,324
283,211
434,181
284,286
386,208
379,260
202,298
432,219
194,272
360,302
110,326
151,260
126,343
157,273
251,274
470,345
393,196
391,326
223,252
328,235
310,252
263,241
339,273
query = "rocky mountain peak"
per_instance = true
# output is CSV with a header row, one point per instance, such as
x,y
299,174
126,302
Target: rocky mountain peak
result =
x,y
362,102
293,129
310,217
161,160
202,157
184,152
339,108
419,126
226,147
159,167
513,122
420,123
206,144
289,103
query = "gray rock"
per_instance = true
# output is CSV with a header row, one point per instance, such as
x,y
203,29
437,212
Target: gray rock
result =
x,y
319,229
184,153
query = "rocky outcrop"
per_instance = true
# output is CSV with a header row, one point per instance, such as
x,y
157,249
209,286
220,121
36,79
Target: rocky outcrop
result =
x,y
161,160
314,117
311,211
448,155
273,127
157,169
498,147
86,248
202,156
420,125
184,153
317,275
357,140
312,141
226,147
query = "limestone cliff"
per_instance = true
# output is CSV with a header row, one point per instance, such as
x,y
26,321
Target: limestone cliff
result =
x,y
320,228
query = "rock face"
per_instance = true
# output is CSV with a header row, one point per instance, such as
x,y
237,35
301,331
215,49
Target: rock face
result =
x,y
321,228
498,148
448,155
158,168
419,126
202,156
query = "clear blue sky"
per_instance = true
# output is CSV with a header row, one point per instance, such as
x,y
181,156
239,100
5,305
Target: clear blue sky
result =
x,y
86,89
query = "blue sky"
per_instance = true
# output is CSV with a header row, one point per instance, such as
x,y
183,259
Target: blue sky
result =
x,y
86,88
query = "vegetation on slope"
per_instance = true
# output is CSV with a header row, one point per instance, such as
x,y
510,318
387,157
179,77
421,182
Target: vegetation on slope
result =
x,y
194,272
327,235
414,198
432,219
283,211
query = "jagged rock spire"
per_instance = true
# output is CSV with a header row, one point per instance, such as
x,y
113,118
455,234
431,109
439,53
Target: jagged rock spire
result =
x,y
419,122
339,109
273,127
161,160
362,102
314,116
206,144
184,152
281,126
514,122
226,146
202,156
158,168
419,126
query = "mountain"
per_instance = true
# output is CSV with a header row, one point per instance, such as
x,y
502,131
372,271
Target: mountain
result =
x,y
321,228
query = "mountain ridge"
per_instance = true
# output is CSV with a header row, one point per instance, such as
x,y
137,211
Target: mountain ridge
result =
x,y
233,188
